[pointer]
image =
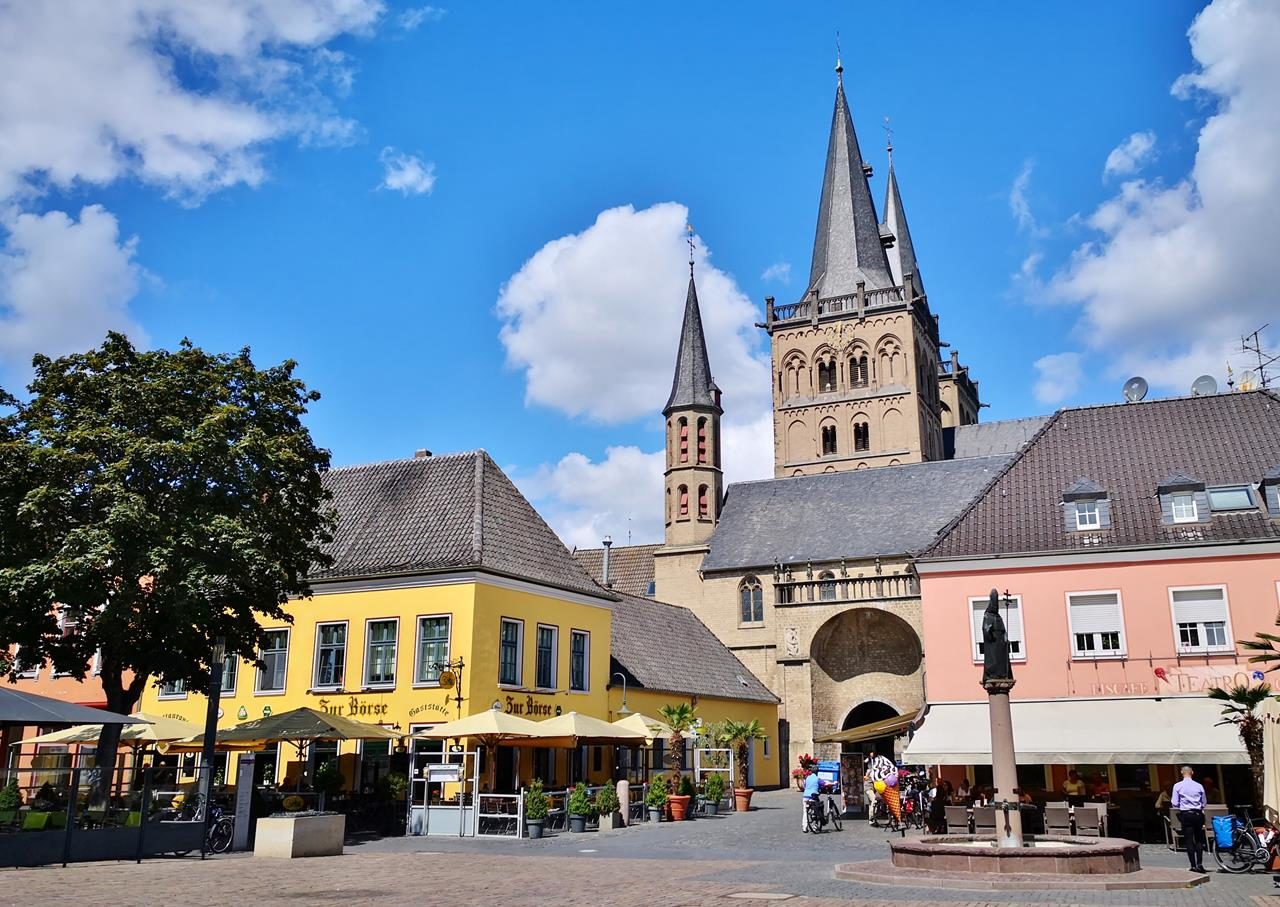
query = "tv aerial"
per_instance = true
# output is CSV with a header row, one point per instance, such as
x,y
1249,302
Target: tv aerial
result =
x,y
1135,389
1204,386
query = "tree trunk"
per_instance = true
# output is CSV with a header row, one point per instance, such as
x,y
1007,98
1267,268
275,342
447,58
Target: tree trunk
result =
x,y
1258,772
122,700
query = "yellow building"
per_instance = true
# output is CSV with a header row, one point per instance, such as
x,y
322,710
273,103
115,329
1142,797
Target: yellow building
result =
x,y
441,564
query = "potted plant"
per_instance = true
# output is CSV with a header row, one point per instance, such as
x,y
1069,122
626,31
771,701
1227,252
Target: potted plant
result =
x,y
328,781
536,807
682,718
740,735
681,799
714,792
608,806
580,807
656,798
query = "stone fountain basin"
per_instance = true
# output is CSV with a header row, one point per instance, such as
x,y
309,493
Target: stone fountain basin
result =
x,y
1060,854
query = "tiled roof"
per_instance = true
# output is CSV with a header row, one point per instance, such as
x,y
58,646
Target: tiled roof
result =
x,y
452,512
666,647
986,439
857,514
1130,449
630,567
692,384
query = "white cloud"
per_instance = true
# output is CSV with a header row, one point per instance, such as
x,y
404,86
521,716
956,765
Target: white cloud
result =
x,y
407,174
1178,272
779,271
1130,155
593,320
1058,377
1020,203
411,19
64,284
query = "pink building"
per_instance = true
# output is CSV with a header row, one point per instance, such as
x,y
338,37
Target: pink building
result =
x,y
1135,543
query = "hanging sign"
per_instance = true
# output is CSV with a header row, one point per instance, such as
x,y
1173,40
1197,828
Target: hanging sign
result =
x,y
448,680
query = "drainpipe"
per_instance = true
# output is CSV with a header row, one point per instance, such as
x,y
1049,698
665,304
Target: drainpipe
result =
x,y
608,544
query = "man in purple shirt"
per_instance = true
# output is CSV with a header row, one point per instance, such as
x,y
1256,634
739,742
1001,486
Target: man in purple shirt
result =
x,y
1188,800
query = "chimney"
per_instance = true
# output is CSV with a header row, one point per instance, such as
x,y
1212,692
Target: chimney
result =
x,y
421,453
605,580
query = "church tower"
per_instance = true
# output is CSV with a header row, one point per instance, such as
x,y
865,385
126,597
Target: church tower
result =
x,y
694,482
855,360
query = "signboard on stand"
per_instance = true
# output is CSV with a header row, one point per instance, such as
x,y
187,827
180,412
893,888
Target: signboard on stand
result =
x,y
244,800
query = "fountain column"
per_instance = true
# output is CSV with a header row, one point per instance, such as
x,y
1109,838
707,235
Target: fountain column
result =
x,y
1004,765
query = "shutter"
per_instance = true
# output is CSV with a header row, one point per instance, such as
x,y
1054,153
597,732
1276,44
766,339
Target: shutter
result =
x,y
1013,623
976,607
1095,613
1198,606
1104,514
1069,516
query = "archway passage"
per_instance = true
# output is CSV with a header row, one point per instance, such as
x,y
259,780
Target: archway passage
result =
x,y
869,713
866,640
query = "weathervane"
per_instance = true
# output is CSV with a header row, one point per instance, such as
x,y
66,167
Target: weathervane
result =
x,y
689,228
839,65
888,138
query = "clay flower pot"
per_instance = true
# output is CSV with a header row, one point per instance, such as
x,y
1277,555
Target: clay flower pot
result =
x,y
679,807
742,798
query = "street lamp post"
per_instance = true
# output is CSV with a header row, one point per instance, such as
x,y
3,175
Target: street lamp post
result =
x,y
624,710
216,658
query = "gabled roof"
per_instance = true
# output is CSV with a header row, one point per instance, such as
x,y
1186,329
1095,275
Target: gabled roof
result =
x,y
1179,481
433,514
902,257
1083,488
985,439
666,647
630,567
692,384
857,514
846,246
1130,449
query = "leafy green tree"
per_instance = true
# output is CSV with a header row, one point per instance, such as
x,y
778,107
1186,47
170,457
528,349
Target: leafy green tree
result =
x,y
1241,709
151,504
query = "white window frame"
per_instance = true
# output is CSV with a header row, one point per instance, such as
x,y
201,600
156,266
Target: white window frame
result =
x,y
30,673
365,682
555,656
586,662
67,627
1090,506
975,634
179,693
1195,508
235,674
257,679
315,655
519,653
1098,654
1228,648
417,647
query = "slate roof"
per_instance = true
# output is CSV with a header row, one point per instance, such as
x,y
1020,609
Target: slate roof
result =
x,y
846,245
857,514
452,512
630,567
666,647
902,257
986,439
692,384
1130,449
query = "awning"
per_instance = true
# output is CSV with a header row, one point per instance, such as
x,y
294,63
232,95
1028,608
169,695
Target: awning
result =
x,y
18,707
1168,730
886,727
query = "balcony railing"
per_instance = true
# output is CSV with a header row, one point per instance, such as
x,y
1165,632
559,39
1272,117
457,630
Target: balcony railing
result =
x,y
872,300
846,589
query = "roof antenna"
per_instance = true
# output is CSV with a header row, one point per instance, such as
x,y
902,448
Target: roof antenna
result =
x,y
839,65
689,229
888,139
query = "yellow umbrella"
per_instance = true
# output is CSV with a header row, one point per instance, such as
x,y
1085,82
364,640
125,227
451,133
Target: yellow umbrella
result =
x,y
652,728
489,727
156,729
575,729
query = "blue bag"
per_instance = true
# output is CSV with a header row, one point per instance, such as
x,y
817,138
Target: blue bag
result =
x,y
1223,830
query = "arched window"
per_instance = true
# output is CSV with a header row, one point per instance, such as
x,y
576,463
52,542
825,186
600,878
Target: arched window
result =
x,y
827,586
826,377
684,440
859,370
861,436
751,600
668,506
702,440
704,505
683,512
828,440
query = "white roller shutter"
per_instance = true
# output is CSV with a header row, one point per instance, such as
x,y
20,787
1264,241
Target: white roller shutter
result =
x,y
1095,612
1192,606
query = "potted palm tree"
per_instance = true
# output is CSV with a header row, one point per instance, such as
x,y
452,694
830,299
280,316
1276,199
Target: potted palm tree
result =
x,y
536,807
682,718
580,807
1240,707
740,735
656,798
714,792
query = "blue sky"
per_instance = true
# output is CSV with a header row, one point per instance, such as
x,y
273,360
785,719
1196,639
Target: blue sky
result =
x,y
525,122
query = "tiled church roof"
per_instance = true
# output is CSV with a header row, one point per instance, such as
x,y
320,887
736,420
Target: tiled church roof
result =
x,y
630,567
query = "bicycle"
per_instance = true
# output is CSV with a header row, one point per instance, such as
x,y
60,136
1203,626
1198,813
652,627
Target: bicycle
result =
x,y
833,814
1252,845
222,828
815,815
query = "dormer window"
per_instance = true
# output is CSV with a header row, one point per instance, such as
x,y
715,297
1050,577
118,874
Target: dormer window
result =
x,y
1184,508
1086,506
1231,497
1271,491
1087,515
1183,499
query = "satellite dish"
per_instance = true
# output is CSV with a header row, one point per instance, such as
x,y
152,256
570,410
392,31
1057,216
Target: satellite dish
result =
x,y
1249,381
1135,389
1204,386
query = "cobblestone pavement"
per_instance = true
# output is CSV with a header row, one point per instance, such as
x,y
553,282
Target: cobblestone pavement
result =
x,y
703,862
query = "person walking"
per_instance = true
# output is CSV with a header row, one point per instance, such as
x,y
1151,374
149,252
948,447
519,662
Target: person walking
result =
x,y
1189,800
877,769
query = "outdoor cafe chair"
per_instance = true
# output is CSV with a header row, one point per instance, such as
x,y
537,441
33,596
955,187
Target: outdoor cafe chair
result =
x,y
957,820
1088,821
1057,820
984,820
1055,804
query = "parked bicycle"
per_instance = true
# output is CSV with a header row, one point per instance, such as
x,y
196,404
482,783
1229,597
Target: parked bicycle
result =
x,y
1244,845
221,830
822,811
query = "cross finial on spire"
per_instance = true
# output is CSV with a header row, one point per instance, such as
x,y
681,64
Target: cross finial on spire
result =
x,y
888,137
839,65
689,229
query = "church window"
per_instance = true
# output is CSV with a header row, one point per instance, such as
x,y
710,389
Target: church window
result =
x,y
684,441
827,586
702,440
828,440
859,371
684,502
668,506
703,505
861,436
826,377
751,599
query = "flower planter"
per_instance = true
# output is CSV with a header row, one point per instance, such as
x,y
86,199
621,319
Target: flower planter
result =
x,y
577,823
713,807
679,807
742,798
655,813
533,827
300,836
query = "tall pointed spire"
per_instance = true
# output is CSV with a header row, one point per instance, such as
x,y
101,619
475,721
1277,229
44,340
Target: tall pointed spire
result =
x,y
847,247
902,257
692,384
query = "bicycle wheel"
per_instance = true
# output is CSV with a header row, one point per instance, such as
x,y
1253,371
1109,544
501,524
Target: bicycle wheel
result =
x,y
834,815
220,836
1242,853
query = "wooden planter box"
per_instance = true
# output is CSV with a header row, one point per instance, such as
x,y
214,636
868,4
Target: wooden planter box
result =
x,y
286,837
